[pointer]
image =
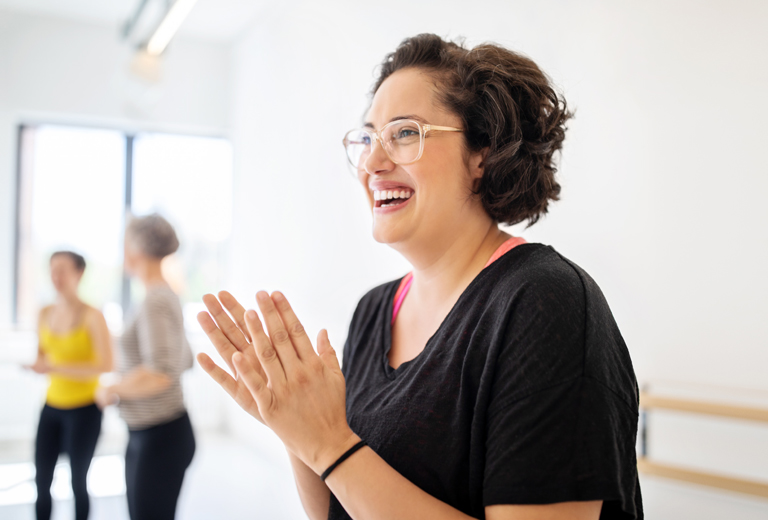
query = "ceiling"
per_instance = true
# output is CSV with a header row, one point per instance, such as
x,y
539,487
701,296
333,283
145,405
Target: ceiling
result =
x,y
215,20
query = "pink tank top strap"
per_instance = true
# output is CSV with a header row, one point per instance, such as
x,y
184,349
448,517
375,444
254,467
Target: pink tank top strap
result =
x,y
405,283
402,290
505,248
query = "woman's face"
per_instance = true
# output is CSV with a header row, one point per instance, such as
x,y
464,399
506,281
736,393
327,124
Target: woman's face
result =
x,y
438,187
131,256
64,275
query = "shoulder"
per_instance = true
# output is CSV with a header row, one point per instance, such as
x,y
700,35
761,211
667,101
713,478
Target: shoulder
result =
x,y
160,299
536,276
44,312
556,316
93,318
374,298
42,316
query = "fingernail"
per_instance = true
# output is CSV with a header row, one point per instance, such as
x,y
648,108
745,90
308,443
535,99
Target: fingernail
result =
x,y
262,295
251,314
277,295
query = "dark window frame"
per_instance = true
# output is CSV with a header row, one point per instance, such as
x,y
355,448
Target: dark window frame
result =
x,y
128,177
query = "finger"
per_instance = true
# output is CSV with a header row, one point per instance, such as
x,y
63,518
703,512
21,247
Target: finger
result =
x,y
238,392
268,356
277,333
326,351
235,310
294,327
225,323
255,383
222,344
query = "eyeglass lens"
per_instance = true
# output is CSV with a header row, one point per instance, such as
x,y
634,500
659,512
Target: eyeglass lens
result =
x,y
401,140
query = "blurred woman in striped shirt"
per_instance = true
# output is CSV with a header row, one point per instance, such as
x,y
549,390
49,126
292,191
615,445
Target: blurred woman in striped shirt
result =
x,y
154,353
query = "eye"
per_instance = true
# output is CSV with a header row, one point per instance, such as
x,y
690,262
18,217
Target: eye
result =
x,y
406,132
366,140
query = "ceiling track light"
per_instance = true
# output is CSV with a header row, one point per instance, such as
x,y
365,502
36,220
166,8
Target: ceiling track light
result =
x,y
167,28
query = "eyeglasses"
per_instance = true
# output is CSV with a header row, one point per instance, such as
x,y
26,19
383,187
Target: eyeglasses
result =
x,y
402,141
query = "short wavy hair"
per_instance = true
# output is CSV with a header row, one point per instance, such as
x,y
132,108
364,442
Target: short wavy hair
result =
x,y
508,106
152,235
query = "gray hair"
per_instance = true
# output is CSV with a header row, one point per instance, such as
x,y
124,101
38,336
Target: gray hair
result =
x,y
152,235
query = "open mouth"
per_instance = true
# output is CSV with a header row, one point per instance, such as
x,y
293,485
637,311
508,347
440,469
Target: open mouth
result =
x,y
387,198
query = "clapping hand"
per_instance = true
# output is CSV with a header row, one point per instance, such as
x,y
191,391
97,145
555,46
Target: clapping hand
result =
x,y
280,379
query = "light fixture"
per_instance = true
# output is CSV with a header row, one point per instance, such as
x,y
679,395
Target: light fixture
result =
x,y
168,27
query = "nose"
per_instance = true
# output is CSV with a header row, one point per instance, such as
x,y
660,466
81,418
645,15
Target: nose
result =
x,y
378,161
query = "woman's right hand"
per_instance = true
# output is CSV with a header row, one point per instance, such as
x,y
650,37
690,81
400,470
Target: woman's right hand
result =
x,y
229,337
40,366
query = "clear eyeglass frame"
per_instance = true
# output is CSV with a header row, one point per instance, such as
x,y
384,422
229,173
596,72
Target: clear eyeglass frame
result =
x,y
424,129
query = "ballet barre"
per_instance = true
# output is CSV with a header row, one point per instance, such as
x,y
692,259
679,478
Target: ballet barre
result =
x,y
647,466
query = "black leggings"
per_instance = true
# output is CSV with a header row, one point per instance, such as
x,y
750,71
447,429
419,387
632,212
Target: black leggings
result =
x,y
155,462
74,432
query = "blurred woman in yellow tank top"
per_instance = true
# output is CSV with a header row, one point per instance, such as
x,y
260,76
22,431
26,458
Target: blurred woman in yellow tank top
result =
x,y
74,348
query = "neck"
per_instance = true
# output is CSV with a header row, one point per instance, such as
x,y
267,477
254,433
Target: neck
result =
x,y
151,273
443,270
68,299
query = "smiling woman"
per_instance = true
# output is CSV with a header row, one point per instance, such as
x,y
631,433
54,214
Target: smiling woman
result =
x,y
491,381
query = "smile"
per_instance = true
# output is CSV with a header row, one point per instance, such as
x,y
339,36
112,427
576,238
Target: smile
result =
x,y
389,198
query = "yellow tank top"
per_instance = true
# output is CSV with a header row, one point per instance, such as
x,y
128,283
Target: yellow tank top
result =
x,y
73,347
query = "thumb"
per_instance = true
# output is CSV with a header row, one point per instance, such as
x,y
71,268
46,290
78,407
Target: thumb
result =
x,y
326,352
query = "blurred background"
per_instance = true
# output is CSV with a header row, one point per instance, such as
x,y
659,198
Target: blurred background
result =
x,y
233,131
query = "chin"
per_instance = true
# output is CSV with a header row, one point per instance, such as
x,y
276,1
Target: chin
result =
x,y
387,234
380,236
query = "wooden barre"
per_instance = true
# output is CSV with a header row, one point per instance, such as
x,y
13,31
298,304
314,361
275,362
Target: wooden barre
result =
x,y
749,487
750,413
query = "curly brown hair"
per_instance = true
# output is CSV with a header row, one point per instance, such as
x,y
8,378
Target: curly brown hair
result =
x,y
508,106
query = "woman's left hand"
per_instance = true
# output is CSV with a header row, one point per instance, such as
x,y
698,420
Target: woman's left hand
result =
x,y
105,396
301,394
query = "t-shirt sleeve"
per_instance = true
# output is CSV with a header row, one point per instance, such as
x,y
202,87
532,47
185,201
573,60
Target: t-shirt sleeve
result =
x,y
161,342
554,433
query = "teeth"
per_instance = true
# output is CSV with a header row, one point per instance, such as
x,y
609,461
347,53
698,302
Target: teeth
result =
x,y
392,194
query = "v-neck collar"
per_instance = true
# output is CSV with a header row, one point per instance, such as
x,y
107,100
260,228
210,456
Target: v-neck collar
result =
x,y
392,373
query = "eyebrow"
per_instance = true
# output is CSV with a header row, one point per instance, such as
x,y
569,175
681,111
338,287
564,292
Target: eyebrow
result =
x,y
397,118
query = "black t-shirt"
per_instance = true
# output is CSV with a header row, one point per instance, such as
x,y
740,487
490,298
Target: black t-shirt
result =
x,y
524,395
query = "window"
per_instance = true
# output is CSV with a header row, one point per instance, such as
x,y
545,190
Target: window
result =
x,y
76,187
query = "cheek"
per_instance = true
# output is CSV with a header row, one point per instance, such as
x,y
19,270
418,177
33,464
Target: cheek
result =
x,y
362,178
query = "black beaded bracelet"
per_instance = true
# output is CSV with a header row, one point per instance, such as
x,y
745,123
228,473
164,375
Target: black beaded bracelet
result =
x,y
347,454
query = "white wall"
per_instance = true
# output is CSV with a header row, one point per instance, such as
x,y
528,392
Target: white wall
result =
x,y
54,70
663,172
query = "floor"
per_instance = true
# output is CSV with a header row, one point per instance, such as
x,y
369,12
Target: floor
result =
x,y
227,479
233,480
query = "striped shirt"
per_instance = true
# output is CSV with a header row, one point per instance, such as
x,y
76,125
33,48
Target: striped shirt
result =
x,y
154,338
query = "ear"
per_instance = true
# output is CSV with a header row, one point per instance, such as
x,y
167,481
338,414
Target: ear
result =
x,y
477,166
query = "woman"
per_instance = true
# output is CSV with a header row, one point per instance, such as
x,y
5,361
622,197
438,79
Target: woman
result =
x,y
74,348
491,381
155,352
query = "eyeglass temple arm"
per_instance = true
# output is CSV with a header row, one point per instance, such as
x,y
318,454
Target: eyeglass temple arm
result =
x,y
428,128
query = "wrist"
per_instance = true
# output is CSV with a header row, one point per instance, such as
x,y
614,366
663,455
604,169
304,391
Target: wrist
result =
x,y
330,453
113,396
